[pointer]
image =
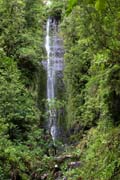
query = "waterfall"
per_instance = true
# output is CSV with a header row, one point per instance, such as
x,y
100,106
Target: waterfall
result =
x,y
53,45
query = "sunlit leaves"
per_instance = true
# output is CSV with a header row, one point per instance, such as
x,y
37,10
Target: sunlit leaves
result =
x,y
71,4
100,4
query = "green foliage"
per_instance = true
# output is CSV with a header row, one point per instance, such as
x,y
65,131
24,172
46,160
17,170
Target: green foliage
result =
x,y
12,22
22,36
16,102
71,4
99,154
92,88
100,4
56,9
91,75
91,46
24,160
55,104
22,144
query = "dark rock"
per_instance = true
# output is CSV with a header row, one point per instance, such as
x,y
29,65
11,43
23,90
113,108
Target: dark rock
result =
x,y
44,176
64,178
62,158
72,165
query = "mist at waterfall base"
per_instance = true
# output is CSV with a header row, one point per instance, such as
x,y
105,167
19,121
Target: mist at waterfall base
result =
x,y
54,70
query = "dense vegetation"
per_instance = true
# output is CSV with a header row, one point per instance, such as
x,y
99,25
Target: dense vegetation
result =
x,y
92,78
90,30
21,77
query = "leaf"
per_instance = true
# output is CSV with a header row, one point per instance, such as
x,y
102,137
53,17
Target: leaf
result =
x,y
71,4
100,4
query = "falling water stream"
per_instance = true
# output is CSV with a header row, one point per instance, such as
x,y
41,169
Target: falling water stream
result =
x,y
53,45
